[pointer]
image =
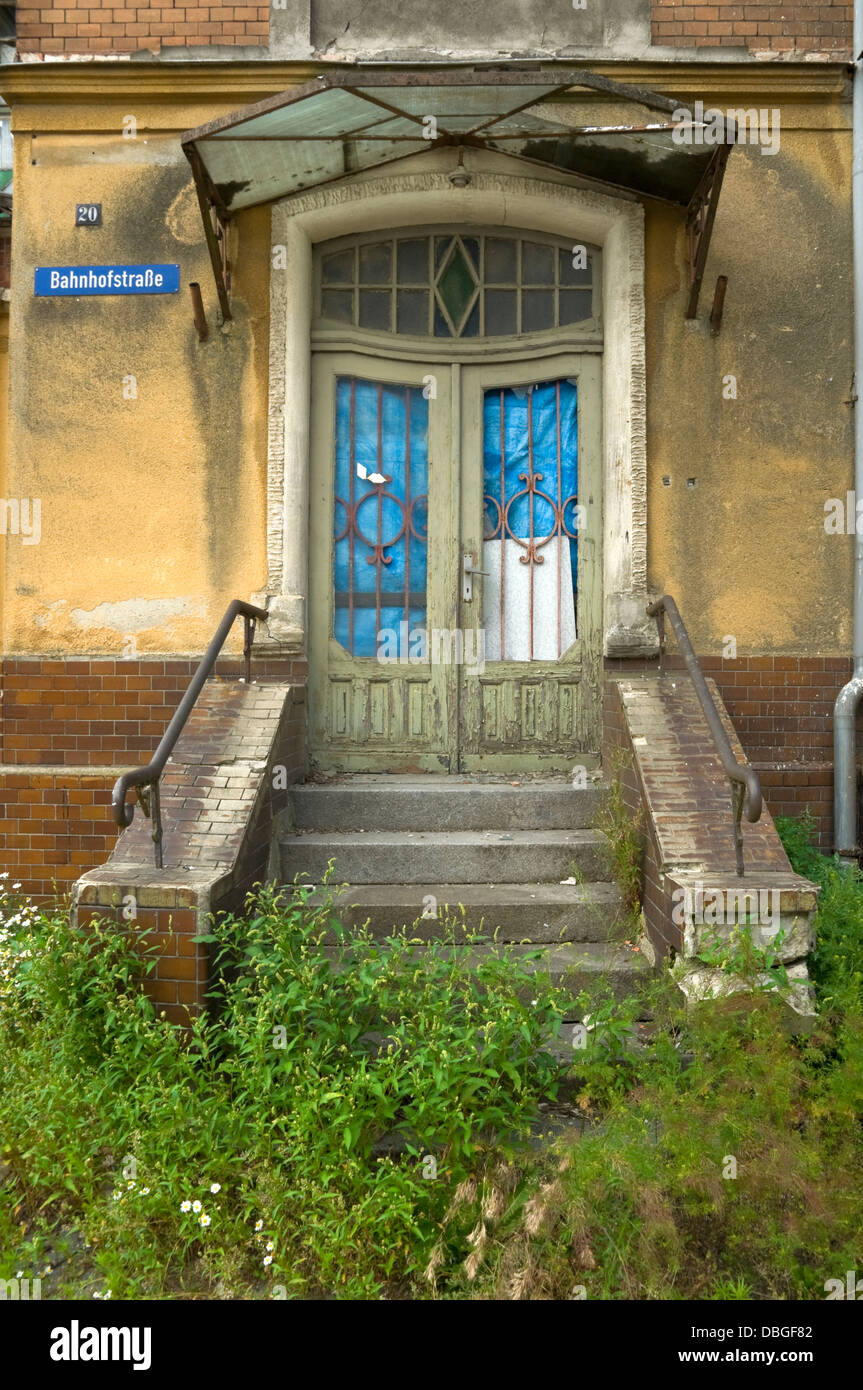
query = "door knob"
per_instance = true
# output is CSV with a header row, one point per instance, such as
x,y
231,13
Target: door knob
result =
x,y
469,570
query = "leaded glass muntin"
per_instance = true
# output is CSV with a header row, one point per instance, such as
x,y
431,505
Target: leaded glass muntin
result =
x,y
457,285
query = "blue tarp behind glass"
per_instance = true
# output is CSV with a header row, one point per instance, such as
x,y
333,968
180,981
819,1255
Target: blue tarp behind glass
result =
x,y
535,418
380,430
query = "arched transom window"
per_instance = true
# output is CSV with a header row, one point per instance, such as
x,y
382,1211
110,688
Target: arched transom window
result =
x,y
457,284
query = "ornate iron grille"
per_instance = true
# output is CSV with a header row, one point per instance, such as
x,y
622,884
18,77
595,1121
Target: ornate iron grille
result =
x,y
530,468
380,513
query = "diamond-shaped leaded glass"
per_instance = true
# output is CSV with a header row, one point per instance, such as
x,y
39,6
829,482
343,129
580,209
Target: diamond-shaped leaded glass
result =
x,y
457,286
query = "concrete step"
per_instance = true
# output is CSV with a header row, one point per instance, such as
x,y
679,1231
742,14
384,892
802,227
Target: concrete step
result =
x,y
445,803
535,912
576,966
478,856
572,967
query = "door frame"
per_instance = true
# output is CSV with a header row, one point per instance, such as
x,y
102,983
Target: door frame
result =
x,y
414,192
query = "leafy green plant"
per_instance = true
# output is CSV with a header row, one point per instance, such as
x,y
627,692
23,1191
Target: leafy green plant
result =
x,y
758,967
837,962
303,1138
624,833
348,1122
605,1060
647,1205
730,1290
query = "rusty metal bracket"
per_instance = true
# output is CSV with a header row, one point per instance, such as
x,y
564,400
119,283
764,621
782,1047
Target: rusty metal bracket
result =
x,y
700,217
215,219
200,317
718,304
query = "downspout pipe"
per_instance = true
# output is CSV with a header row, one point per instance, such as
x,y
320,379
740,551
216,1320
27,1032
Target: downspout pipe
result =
x,y
845,709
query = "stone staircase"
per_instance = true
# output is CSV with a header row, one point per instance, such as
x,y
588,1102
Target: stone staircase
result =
x,y
411,846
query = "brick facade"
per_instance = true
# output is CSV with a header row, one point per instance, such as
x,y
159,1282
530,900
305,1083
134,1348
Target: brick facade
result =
x,y
103,711
54,825
818,27
67,729
821,26
139,28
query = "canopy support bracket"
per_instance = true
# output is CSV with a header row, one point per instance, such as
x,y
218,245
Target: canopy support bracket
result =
x,y
215,219
700,216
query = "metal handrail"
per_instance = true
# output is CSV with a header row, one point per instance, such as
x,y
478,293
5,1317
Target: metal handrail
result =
x,y
146,779
745,786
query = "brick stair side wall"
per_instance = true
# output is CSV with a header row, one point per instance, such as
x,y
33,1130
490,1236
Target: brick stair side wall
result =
x,y
673,780
210,864
68,727
782,711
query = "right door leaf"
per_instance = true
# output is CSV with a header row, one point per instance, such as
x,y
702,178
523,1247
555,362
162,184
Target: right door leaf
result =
x,y
530,541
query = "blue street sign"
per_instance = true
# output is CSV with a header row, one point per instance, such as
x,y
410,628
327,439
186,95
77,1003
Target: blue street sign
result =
x,y
107,279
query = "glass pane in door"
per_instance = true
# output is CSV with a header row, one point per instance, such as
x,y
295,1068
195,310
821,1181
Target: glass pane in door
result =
x,y
380,515
530,543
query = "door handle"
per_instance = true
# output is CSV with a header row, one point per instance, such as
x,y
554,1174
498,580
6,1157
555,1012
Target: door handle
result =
x,y
469,569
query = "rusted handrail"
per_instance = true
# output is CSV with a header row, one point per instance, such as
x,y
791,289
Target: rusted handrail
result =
x,y
146,779
745,786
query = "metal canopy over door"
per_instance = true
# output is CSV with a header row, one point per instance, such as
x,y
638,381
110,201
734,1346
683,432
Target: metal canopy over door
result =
x,y
455,581
348,121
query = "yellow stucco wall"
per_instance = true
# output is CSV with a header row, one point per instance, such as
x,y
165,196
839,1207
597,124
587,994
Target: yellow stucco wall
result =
x,y
745,546
154,508
153,504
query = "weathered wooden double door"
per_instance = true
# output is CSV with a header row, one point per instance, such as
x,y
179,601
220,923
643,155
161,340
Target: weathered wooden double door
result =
x,y
455,564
